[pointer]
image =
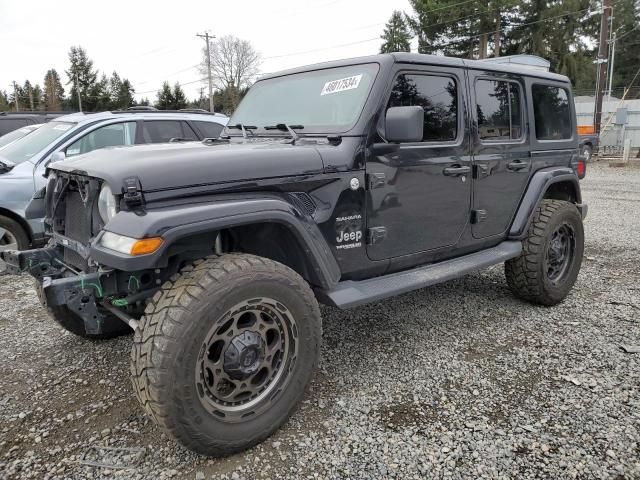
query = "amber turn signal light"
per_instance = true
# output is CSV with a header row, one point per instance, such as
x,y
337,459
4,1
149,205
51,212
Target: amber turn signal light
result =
x,y
144,246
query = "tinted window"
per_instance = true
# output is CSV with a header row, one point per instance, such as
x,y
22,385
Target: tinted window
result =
x,y
159,131
209,129
437,95
8,125
498,110
188,133
108,136
552,112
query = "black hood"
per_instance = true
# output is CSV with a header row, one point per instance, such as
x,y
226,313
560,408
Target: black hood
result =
x,y
175,165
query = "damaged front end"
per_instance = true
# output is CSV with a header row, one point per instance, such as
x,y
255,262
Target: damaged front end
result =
x,y
67,275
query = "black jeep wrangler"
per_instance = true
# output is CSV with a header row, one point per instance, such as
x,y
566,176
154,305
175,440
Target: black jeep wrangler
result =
x,y
342,183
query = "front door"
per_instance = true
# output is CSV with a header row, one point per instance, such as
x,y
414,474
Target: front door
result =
x,y
501,148
418,197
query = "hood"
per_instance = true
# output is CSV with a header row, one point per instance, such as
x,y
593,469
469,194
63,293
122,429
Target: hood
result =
x,y
176,165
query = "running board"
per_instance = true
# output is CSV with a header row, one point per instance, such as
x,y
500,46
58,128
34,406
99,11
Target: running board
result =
x,y
350,293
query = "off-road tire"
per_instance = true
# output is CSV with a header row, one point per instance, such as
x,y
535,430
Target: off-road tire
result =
x,y
526,275
112,326
170,336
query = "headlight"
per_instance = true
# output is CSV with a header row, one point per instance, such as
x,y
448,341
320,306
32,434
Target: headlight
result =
x,y
128,245
106,204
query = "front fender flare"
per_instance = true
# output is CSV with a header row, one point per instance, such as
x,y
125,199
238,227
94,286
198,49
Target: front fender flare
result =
x,y
538,186
178,221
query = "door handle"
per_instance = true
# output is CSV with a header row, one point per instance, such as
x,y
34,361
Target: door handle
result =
x,y
456,171
517,165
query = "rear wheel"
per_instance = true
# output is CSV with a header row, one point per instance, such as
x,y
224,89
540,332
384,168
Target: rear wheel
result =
x,y
551,255
12,237
226,351
587,152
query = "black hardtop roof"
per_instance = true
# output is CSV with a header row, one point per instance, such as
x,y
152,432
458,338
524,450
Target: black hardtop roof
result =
x,y
424,59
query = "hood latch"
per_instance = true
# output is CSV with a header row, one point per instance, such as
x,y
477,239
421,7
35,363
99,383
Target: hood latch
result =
x,y
132,189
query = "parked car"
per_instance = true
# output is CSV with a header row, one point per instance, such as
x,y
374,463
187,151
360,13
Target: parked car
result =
x,y
10,121
9,138
23,163
343,183
589,141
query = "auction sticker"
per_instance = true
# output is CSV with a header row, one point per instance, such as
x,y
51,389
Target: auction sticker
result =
x,y
340,85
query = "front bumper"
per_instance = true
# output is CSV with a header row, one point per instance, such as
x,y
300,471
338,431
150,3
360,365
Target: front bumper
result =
x,y
92,296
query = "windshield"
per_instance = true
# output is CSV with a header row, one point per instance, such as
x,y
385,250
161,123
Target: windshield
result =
x,y
15,135
25,148
321,101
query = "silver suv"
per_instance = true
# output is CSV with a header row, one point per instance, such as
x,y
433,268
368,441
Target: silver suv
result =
x,y
23,163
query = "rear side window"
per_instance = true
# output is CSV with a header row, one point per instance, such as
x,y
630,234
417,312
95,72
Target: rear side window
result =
x,y
499,110
437,95
209,129
552,112
160,131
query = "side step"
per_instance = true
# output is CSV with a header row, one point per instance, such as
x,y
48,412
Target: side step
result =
x,y
350,293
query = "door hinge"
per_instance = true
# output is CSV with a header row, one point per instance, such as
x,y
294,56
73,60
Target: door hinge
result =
x,y
478,216
133,192
376,180
376,235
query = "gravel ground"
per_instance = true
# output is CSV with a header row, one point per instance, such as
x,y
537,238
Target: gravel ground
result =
x,y
457,381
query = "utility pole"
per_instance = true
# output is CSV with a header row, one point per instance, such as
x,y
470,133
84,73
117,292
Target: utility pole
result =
x,y
15,96
613,58
603,58
206,39
75,76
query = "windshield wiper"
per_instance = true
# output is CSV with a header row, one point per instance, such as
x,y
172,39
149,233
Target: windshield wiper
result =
x,y
286,128
243,128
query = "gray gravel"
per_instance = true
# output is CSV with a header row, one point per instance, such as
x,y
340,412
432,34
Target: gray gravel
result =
x,y
456,381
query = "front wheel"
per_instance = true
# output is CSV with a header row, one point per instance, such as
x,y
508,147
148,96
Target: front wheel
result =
x,y
551,255
225,352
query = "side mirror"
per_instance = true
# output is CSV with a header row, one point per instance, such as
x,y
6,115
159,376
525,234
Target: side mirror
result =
x,y
404,124
57,157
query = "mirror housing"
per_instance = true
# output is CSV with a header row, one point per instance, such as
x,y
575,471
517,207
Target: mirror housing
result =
x,y
57,157
404,124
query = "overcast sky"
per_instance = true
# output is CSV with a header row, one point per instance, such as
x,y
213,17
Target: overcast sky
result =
x,y
148,42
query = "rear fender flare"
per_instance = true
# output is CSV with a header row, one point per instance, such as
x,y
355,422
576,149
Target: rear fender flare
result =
x,y
180,221
536,190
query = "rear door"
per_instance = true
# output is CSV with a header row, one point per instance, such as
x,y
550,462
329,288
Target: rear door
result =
x,y
501,150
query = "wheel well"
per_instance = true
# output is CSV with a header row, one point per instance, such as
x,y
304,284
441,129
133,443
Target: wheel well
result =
x,y
271,240
562,191
21,221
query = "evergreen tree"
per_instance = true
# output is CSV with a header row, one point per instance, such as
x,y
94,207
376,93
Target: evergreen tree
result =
x,y
125,95
27,99
4,101
165,99
37,98
101,96
626,25
179,98
396,36
53,95
83,77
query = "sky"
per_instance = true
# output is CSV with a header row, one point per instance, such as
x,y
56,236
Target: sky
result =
x,y
148,42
